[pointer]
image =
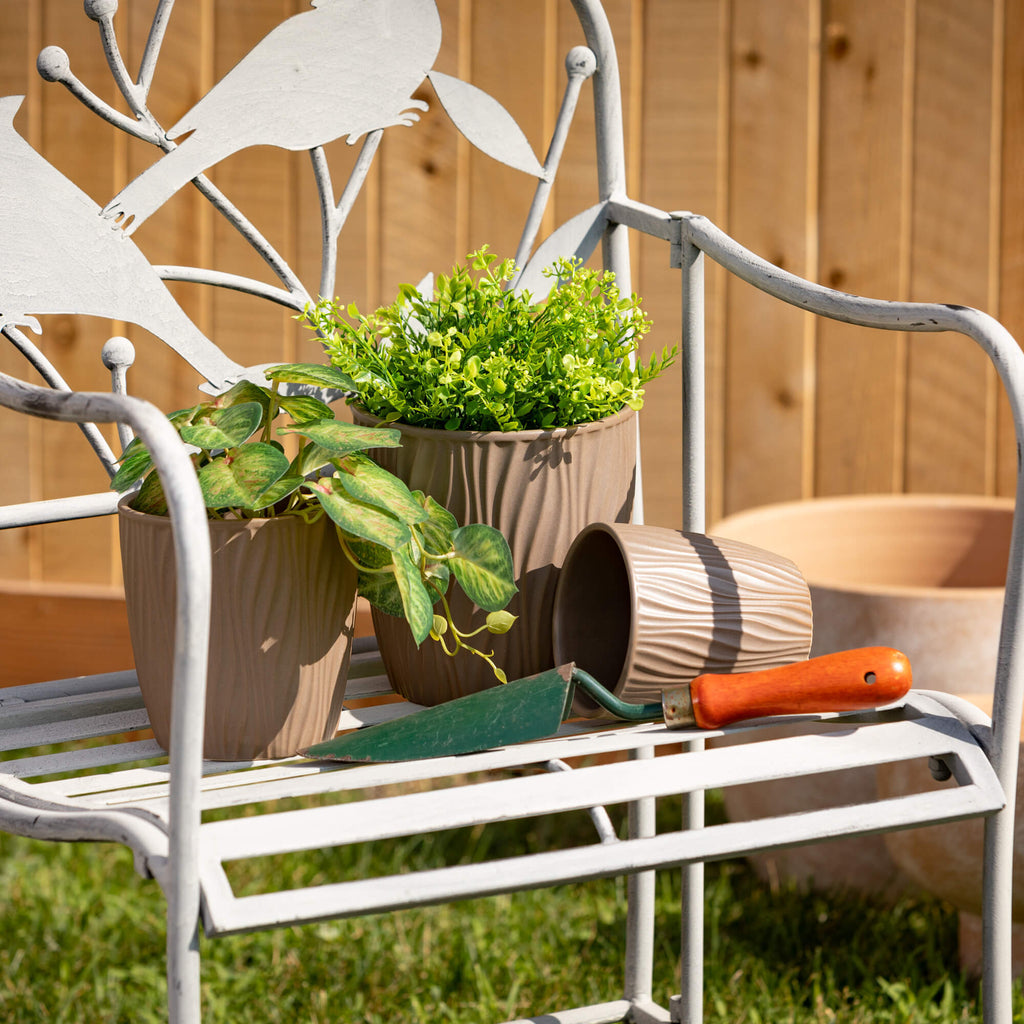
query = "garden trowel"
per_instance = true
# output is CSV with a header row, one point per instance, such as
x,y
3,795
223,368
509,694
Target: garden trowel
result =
x,y
534,707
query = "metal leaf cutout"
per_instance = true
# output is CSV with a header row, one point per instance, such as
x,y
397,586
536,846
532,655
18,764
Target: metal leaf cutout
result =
x,y
576,237
485,123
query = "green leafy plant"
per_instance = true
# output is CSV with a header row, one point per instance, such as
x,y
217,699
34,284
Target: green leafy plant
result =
x,y
477,355
406,547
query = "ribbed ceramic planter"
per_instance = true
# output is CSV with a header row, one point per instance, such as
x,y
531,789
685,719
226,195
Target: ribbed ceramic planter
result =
x,y
642,607
539,488
922,573
280,637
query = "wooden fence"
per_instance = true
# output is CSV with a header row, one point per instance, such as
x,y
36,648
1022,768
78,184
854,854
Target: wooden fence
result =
x,y
874,145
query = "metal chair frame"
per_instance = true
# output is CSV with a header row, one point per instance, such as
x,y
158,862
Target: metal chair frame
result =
x,y
154,803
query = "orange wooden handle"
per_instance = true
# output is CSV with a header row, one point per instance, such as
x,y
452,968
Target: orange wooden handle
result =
x,y
846,681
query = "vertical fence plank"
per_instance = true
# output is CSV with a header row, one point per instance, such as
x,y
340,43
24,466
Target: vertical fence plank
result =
x,y
83,551
419,186
18,435
949,447
863,243
179,233
509,60
1011,220
258,181
684,164
772,159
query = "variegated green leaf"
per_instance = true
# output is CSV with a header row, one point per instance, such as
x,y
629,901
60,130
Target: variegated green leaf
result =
x,y
224,428
311,458
277,491
436,530
305,408
341,439
483,566
359,519
181,416
242,392
150,498
416,603
238,478
367,482
135,464
313,374
381,590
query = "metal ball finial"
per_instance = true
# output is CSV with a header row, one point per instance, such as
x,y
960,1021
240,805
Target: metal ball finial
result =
x,y
53,64
118,353
99,9
580,60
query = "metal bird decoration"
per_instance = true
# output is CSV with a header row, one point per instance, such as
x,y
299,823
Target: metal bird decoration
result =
x,y
58,256
346,68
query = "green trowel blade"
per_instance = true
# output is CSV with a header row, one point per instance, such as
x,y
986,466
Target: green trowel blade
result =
x,y
525,709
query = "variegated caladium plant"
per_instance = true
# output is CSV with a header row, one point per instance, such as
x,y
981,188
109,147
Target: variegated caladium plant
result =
x,y
407,548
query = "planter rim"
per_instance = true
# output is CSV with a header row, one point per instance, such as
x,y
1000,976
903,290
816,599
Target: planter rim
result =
x,y
924,499
908,591
610,530
482,436
125,509
934,501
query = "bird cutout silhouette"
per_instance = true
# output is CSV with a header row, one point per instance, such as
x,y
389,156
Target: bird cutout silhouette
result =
x,y
58,256
348,67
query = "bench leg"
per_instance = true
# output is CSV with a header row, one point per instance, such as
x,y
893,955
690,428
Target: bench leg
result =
x,y
640,902
183,1001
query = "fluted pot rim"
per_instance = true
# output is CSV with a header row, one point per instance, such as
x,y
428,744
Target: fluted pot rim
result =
x,y
507,436
124,508
612,531
925,500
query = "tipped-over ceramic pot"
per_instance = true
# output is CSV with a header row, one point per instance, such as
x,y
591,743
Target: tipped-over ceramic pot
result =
x,y
644,607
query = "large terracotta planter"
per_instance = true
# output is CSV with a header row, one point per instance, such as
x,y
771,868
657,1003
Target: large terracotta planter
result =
x,y
539,488
922,573
281,628
642,608
947,859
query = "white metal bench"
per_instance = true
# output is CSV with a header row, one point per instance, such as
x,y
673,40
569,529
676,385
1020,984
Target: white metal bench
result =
x,y
132,792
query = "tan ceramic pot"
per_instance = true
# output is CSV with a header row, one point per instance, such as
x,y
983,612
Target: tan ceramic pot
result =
x,y
280,633
922,573
642,607
539,488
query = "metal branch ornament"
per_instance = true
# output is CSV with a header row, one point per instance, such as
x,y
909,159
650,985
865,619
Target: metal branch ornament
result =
x,y
346,68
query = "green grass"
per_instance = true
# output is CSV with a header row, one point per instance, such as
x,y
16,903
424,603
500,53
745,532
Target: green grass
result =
x,y
81,939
